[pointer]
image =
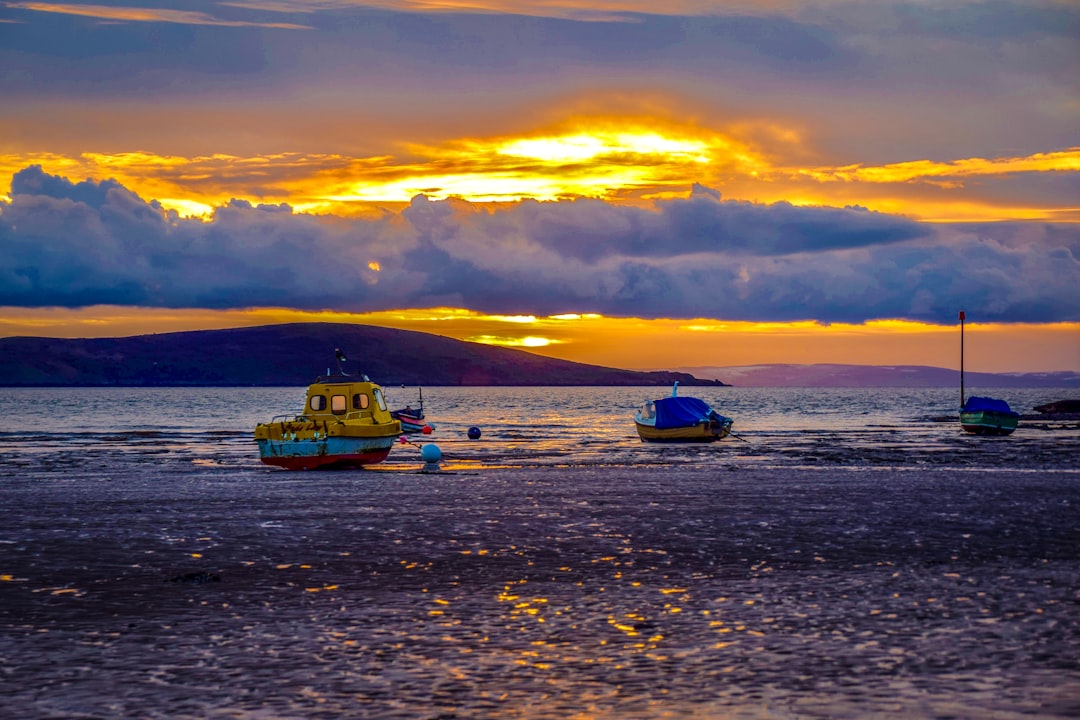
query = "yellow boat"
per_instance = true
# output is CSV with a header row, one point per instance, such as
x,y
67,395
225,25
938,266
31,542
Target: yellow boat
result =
x,y
345,423
680,419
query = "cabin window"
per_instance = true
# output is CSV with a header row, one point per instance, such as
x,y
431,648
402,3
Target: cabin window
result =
x,y
337,404
318,402
379,399
359,401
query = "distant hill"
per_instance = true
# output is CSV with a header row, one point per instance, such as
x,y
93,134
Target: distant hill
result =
x,y
293,355
827,375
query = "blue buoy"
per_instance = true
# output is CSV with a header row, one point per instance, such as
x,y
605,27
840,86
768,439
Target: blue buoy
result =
x,y
474,433
431,455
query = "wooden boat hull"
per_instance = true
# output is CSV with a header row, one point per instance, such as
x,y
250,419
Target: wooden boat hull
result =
x,y
702,432
988,422
326,452
680,420
306,444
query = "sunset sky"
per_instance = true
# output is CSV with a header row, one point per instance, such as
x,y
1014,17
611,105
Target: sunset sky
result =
x,y
645,185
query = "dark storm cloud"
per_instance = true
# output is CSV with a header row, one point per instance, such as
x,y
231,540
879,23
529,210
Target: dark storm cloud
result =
x,y
101,243
590,230
77,244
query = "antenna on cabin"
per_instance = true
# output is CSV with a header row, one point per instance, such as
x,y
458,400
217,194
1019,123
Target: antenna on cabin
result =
x,y
340,359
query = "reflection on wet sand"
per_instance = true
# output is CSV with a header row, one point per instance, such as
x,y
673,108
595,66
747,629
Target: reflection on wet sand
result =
x,y
540,593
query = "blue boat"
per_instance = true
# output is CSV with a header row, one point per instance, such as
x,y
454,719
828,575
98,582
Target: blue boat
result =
x,y
680,419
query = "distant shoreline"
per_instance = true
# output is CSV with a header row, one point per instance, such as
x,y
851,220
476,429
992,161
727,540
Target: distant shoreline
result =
x,y
294,354
705,384
900,376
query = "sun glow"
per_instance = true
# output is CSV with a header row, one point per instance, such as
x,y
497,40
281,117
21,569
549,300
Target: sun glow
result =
x,y
529,341
576,148
187,208
619,160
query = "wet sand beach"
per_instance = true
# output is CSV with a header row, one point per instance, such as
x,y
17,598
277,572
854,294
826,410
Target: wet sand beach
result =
x,y
195,590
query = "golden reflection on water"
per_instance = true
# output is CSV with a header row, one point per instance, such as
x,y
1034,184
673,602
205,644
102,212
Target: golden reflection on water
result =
x,y
650,627
322,588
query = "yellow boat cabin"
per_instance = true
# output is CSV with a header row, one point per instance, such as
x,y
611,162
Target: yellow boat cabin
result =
x,y
345,423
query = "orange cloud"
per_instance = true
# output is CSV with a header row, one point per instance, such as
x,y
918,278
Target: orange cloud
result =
x,y
574,9
137,14
921,170
619,159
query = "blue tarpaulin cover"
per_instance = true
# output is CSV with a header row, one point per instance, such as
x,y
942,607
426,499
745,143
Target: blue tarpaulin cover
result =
x,y
985,404
676,412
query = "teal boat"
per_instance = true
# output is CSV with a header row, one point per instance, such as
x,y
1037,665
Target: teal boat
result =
x,y
983,415
988,416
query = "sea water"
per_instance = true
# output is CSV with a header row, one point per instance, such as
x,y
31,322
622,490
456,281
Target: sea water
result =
x,y
547,426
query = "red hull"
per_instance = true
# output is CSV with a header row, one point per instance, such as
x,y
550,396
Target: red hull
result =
x,y
317,462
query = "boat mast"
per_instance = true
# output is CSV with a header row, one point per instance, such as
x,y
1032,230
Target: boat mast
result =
x,y
961,359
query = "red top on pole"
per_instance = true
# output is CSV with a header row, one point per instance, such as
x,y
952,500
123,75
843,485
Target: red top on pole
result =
x,y
961,314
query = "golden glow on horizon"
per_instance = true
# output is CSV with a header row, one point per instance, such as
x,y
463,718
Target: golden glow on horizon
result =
x,y
520,342
522,319
804,327
620,160
630,343
576,316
